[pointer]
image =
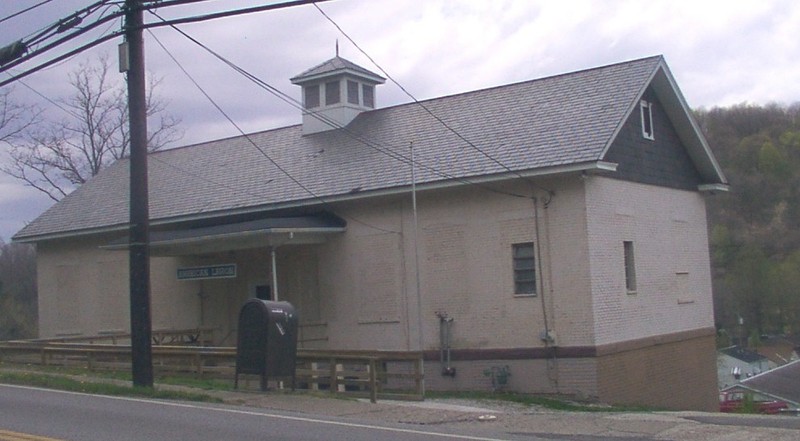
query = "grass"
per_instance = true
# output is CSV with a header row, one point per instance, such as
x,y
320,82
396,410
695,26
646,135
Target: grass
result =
x,y
538,401
76,380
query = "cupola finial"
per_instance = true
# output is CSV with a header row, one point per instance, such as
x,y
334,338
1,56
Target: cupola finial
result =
x,y
337,47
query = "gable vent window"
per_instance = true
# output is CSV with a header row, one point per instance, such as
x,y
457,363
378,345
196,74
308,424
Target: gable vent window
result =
x,y
524,269
332,93
630,267
647,119
312,96
352,92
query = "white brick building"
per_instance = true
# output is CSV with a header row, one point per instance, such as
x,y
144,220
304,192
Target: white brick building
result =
x,y
560,225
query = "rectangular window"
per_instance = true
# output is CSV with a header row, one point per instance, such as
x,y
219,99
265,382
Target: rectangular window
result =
x,y
332,93
647,119
630,267
524,268
369,96
312,96
352,92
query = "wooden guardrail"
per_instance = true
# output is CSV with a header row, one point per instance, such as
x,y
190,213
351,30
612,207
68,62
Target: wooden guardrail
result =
x,y
189,336
373,374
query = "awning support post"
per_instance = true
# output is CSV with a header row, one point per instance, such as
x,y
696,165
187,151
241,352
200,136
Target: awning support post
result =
x,y
274,263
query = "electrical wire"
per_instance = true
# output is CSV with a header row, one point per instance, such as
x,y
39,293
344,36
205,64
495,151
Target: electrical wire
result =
x,y
30,8
64,24
256,146
58,42
424,107
333,124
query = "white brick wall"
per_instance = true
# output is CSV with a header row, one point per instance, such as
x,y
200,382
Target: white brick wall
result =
x,y
84,290
669,232
360,286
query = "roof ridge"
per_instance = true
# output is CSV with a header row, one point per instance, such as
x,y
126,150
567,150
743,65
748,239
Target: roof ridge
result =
x,y
521,82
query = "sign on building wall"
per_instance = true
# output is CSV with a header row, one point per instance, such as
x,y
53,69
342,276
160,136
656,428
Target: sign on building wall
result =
x,y
225,271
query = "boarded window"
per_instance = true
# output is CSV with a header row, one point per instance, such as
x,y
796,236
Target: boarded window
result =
x,y
524,268
332,93
630,267
312,96
352,92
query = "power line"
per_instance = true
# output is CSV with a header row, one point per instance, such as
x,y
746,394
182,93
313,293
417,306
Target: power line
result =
x,y
254,144
424,107
30,8
333,124
58,42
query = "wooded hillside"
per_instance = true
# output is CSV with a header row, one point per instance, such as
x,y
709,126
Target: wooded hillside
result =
x,y
755,228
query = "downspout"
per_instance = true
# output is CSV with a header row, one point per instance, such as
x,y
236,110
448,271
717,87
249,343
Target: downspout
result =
x,y
416,262
545,335
548,336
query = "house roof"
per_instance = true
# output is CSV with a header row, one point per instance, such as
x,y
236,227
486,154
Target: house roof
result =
x,y
779,350
336,65
533,128
782,383
743,354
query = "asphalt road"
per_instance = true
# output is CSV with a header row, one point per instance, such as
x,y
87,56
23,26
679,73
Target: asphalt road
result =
x,y
32,414
45,415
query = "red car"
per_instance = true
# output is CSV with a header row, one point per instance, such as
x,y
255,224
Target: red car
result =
x,y
734,402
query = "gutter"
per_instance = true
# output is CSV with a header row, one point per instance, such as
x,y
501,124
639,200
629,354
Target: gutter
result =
x,y
596,167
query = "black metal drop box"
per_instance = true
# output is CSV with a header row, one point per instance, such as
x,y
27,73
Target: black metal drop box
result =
x,y
267,341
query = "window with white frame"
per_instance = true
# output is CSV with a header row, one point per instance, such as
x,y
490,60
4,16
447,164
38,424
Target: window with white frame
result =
x,y
524,269
646,108
630,267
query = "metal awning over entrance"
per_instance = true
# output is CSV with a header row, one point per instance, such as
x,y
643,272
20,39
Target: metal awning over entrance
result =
x,y
260,233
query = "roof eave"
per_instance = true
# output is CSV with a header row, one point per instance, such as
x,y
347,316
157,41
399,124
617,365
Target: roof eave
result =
x,y
593,167
713,188
300,80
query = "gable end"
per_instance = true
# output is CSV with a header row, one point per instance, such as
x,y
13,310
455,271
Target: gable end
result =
x,y
662,160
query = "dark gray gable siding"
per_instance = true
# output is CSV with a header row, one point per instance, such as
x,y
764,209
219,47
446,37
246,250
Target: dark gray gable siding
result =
x,y
663,161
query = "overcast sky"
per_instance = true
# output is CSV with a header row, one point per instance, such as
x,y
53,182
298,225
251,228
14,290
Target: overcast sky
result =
x,y
720,52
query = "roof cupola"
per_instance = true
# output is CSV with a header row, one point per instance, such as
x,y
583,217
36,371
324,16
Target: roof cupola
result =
x,y
334,93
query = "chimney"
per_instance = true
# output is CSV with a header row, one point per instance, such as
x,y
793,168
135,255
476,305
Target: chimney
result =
x,y
334,93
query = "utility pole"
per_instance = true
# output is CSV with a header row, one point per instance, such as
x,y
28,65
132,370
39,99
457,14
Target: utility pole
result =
x,y
139,247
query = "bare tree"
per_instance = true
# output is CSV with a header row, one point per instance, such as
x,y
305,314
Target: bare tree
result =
x,y
55,157
15,118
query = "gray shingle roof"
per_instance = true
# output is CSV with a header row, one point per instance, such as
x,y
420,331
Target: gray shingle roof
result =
x,y
335,65
782,383
550,122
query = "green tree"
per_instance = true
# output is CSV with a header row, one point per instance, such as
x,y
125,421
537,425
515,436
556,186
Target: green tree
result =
x,y
747,282
755,228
